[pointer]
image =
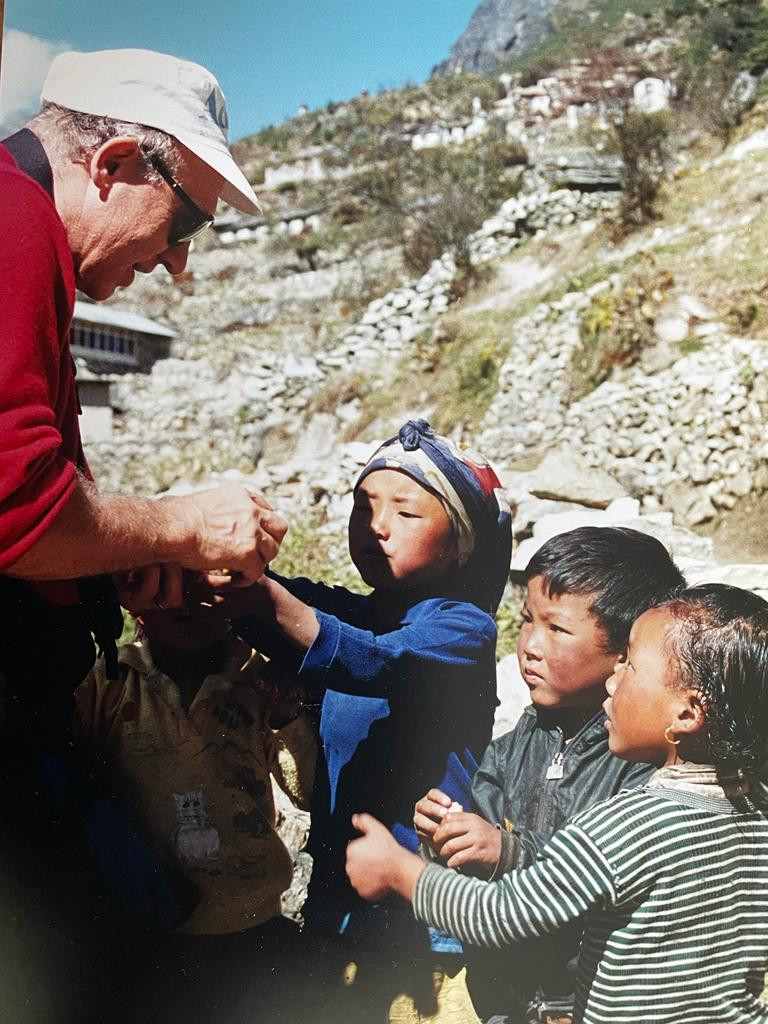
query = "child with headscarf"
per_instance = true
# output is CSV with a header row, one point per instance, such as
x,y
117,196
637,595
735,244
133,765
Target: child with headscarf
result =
x,y
409,674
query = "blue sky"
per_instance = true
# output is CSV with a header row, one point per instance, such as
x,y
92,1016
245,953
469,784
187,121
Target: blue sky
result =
x,y
269,55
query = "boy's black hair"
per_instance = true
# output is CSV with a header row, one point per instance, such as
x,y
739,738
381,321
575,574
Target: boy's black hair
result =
x,y
720,644
627,571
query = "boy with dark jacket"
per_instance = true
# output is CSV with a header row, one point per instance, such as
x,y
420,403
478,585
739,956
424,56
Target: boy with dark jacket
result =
x,y
584,590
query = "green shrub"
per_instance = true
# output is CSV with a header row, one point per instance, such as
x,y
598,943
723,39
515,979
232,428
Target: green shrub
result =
x,y
740,28
433,200
307,245
615,330
736,28
682,8
641,140
311,550
275,136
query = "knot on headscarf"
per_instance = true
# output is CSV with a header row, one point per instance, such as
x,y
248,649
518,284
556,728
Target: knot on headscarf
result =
x,y
411,433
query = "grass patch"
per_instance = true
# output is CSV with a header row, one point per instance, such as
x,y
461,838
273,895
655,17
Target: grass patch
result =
x,y
690,345
129,629
449,375
471,350
722,252
509,619
310,549
615,329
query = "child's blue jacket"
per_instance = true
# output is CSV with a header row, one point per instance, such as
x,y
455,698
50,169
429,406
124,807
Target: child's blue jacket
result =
x,y
401,697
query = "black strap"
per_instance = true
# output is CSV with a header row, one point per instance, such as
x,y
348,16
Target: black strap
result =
x,y
27,150
98,599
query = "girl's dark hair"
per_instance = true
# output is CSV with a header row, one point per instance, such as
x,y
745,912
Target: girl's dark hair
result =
x,y
627,571
720,643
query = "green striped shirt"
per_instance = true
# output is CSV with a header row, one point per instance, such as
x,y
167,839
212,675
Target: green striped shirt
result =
x,y
673,889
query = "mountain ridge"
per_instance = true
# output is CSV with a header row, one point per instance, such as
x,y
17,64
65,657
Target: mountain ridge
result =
x,y
499,31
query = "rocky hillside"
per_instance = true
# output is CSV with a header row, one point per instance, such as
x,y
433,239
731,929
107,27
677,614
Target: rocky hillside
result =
x,y
500,32
562,263
572,281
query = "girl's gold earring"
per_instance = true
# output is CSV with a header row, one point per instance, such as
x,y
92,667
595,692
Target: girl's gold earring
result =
x,y
668,738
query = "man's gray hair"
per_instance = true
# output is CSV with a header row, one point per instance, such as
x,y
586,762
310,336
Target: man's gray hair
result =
x,y
74,135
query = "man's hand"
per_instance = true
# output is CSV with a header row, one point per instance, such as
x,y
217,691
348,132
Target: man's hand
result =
x,y
428,815
467,840
232,529
377,864
224,528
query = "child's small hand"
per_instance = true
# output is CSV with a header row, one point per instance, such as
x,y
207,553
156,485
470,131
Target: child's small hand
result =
x,y
283,695
152,586
239,602
467,839
428,815
377,864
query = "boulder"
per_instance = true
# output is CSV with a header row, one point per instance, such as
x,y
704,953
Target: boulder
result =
x,y
512,693
563,475
673,327
691,505
748,576
685,546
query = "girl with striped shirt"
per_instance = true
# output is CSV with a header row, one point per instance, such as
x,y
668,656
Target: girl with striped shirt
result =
x,y
671,880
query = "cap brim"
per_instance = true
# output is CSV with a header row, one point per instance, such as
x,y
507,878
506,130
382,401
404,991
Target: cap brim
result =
x,y
237,190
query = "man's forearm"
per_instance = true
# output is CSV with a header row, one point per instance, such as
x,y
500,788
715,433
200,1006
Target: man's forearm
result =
x,y
96,533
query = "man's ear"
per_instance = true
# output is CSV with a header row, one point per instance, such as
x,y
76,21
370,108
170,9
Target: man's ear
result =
x,y
117,159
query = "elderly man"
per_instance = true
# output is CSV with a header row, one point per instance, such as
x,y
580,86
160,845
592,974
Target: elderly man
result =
x,y
121,169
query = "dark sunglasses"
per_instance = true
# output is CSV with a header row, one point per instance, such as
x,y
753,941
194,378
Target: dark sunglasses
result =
x,y
189,222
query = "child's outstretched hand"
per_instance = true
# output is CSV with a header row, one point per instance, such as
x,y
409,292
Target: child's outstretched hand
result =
x,y
428,815
235,601
377,864
467,840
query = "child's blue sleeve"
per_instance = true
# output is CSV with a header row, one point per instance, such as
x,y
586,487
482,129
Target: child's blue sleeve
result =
x,y
334,600
270,641
452,637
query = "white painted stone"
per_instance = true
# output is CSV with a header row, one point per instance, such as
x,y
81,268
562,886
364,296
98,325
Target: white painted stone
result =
x,y
672,329
513,695
651,95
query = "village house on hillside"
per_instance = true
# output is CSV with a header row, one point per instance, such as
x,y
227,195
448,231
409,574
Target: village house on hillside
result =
x,y
107,342
113,340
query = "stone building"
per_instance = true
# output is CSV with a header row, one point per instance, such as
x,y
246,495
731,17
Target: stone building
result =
x,y
112,340
107,343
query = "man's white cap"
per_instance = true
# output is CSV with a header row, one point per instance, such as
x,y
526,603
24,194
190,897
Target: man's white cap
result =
x,y
178,97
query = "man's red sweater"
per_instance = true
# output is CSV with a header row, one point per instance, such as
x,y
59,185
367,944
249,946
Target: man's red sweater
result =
x,y
39,435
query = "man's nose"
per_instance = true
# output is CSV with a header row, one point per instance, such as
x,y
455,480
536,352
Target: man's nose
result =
x,y
175,259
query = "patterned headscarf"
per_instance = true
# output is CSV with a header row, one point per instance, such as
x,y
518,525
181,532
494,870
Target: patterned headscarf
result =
x,y
472,496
